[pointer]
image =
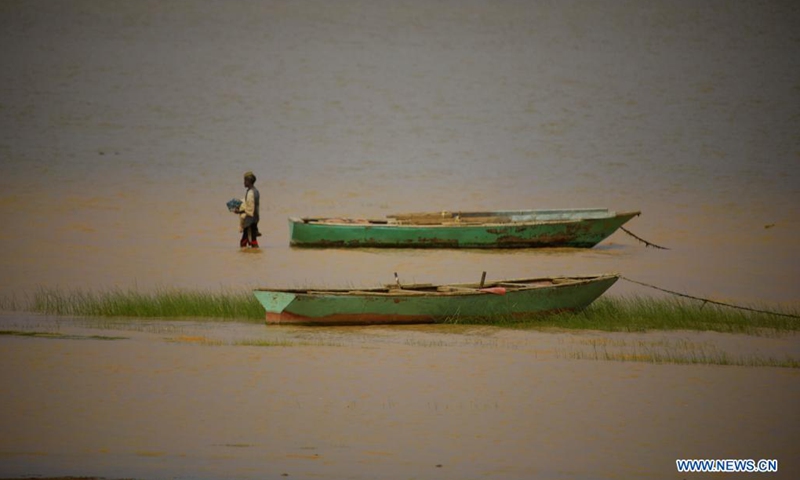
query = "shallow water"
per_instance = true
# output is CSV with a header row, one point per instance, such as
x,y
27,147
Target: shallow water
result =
x,y
187,400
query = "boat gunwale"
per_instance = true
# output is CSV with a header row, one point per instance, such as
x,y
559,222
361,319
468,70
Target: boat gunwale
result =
x,y
391,222
431,290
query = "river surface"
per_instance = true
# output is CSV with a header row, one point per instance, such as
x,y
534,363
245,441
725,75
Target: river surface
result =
x,y
126,126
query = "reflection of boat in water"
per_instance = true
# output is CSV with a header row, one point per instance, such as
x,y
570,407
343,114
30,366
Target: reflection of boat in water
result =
x,y
581,228
427,303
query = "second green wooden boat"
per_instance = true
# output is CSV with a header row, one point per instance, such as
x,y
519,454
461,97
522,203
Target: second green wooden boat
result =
x,y
426,303
579,228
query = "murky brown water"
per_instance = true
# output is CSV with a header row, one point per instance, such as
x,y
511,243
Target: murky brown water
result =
x,y
183,400
126,126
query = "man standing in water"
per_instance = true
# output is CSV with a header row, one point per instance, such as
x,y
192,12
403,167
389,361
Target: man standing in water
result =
x,y
248,212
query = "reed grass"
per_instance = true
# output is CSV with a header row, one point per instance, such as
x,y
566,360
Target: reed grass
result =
x,y
167,303
640,314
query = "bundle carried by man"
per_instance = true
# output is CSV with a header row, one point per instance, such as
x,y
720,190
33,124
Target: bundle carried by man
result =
x,y
233,205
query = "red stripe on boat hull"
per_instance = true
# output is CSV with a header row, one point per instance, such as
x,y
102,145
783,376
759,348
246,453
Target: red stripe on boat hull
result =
x,y
286,318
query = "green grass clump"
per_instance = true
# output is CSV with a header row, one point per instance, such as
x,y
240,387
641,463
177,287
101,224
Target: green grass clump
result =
x,y
163,303
637,314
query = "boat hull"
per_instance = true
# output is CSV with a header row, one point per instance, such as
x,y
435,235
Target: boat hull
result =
x,y
575,230
401,306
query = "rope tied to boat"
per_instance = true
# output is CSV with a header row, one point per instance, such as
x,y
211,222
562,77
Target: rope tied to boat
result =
x,y
707,300
646,243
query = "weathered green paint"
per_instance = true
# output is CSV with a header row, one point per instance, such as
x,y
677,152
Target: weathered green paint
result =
x,y
520,229
429,304
275,301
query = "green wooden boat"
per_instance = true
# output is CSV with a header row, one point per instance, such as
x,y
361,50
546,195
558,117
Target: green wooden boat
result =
x,y
578,228
426,303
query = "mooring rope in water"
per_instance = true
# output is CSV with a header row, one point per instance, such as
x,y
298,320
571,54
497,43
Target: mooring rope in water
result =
x,y
646,243
706,300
